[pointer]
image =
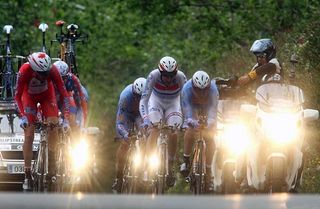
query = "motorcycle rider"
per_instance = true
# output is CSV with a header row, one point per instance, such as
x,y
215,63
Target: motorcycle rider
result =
x,y
161,102
35,84
267,68
128,116
199,97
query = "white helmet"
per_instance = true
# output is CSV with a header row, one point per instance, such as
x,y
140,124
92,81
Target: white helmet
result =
x,y
168,65
201,79
62,67
39,62
139,85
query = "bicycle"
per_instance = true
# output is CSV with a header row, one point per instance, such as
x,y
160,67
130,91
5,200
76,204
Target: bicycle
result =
x,y
67,44
133,163
162,158
197,175
40,168
8,75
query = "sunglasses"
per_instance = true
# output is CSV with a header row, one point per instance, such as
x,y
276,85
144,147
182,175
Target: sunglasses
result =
x,y
261,55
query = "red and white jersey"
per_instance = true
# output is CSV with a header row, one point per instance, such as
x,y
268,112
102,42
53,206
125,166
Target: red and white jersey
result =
x,y
30,82
158,88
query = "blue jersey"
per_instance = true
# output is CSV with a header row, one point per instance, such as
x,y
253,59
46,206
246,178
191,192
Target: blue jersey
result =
x,y
191,103
128,111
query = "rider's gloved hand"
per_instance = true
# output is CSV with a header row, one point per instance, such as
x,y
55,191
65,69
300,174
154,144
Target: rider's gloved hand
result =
x,y
192,123
65,125
24,122
232,81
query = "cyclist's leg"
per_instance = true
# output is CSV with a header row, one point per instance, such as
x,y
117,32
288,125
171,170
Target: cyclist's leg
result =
x,y
210,149
121,156
155,116
50,111
31,112
173,117
189,137
75,128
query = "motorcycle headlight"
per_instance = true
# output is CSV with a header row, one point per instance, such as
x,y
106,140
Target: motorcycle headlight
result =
x,y
80,155
236,138
281,128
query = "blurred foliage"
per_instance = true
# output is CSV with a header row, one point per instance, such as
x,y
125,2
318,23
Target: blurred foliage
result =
x,y
127,39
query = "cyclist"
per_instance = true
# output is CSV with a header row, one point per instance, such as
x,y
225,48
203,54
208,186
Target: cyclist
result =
x,y
199,98
35,84
76,93
267,68
161,102
128,116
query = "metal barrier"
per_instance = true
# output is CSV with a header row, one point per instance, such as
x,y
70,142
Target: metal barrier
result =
x,y
99,201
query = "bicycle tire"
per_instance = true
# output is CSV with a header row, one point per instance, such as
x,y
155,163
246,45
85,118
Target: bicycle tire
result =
x,y
161,175
39,184
199,170
129,183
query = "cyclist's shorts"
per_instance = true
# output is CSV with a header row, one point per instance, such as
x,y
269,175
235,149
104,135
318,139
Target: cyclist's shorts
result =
x,y
47,101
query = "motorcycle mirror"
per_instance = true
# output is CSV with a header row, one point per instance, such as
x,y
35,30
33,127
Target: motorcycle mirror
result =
x,y
310,115
43,27
7,29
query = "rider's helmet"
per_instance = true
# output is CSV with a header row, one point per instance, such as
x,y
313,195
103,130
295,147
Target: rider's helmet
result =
x,y
40,62
264,47
201,79
139,85
168,66
63,67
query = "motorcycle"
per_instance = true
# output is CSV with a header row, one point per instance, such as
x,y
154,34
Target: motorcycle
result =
x,y
231,141
275,155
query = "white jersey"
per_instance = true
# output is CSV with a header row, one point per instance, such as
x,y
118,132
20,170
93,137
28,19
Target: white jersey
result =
x,y
158,89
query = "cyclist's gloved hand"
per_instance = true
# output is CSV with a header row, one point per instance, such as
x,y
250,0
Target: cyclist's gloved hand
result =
x,y
192,123
65,125
24,122
126,137
146,123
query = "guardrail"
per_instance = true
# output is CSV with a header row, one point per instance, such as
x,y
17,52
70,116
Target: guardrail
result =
x,y
99,201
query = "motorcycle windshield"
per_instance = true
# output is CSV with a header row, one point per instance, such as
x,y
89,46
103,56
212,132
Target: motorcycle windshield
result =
x,y
279,96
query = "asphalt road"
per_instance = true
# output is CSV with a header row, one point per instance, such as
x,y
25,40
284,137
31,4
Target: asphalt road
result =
x,y
99,201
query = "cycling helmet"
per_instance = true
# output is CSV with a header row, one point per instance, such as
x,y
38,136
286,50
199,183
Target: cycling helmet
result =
x,y
201,79
139,85
39,62
168,66
265,47
62,67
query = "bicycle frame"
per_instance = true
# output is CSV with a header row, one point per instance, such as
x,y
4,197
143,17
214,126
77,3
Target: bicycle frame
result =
x,y
68,46
198,171
8,75
162,154
133,163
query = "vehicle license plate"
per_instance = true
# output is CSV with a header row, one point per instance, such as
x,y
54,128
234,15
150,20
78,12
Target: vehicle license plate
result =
x,y
15,169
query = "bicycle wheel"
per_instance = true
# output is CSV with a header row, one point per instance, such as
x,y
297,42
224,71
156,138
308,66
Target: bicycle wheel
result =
x,y
129,182
61,172
39,183
161,174
198,182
